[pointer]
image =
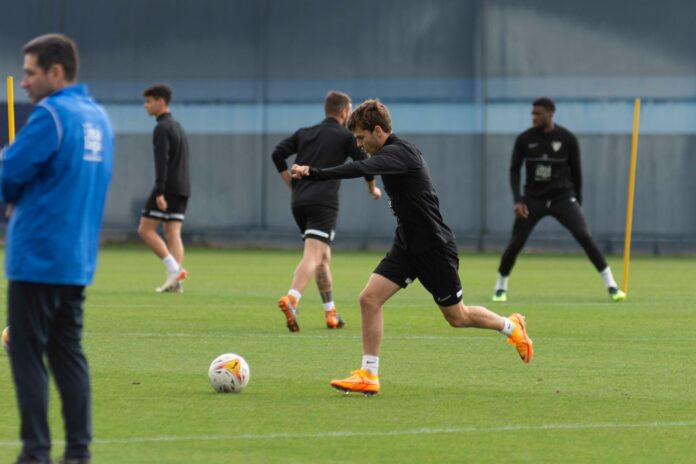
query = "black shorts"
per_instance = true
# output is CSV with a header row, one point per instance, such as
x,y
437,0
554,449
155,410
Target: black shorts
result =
x,y
176,207
437,269
316,221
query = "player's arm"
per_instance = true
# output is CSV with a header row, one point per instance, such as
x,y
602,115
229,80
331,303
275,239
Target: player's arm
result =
x,y
25,157
575,168
358,154
373,189
160,146
520,208
285,149
386,162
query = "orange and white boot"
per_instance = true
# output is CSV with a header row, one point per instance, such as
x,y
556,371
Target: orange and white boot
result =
x,y
288,305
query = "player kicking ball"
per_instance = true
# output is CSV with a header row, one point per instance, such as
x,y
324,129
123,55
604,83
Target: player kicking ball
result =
x,y
424,247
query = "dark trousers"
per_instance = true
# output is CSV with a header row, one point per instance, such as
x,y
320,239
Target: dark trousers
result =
x,y
568,213
47,320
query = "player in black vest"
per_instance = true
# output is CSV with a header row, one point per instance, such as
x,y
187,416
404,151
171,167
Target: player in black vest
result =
x,y
315,204
424,247
553,187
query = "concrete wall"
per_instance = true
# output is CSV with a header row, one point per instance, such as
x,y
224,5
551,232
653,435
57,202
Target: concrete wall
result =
x,y
457,75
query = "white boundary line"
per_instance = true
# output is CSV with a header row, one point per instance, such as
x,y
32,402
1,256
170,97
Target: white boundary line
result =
x,y
386,337
394,433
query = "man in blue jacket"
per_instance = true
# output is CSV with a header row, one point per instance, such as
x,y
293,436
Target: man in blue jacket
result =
x,y
55,176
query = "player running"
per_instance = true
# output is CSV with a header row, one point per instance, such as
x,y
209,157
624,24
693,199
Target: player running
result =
x,y
424,246
315,204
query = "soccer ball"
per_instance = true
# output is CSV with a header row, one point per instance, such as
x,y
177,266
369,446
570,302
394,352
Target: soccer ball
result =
x,y
229,373
6,338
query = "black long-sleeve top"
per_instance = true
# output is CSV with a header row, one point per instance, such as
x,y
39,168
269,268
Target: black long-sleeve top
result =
x,y
323,145
552,162
171,151
412,198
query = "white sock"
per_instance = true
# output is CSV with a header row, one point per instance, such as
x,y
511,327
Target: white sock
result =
x,y
170,262
295,293
370,363
501,282
328,306
608,278
508,327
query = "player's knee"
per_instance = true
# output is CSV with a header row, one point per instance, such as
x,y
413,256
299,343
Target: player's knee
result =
x,y
458,317
142,230
172,236
368,301
454,321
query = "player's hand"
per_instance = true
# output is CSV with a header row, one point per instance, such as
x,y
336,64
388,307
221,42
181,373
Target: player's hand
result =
x,y
376,193
161,202
8,210
521,210
298,172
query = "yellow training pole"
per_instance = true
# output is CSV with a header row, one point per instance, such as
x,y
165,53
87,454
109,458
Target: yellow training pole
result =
x,y
631,190
10,108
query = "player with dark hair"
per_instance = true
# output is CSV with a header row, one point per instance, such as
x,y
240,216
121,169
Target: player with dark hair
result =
x,y
55,175
168,200
315,204
424,246
553,187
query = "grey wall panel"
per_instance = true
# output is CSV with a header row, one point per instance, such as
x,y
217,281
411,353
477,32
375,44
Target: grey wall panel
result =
x,y
19,23
165,39
589,38
484,53
370,39
236,189
224,176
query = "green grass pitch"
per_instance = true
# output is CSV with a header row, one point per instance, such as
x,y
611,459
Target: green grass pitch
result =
x,y
608,382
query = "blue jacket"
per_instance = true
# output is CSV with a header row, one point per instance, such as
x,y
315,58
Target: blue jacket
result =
x,y
57,172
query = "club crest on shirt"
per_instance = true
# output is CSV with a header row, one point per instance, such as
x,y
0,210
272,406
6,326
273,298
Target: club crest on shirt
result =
x,y
92,143
556,145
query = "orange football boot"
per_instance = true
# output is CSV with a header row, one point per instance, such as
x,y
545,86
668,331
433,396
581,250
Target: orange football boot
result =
x,y
333,320
519,338
288,305
360,381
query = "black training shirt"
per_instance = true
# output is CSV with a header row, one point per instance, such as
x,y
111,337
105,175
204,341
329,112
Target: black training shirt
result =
x,y
323,145
171,157
412,199
552,161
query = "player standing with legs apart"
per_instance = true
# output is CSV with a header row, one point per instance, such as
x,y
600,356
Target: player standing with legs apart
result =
x,y
55,175
315,204
168,200
424,246
551,155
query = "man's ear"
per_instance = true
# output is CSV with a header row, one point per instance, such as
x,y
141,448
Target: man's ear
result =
x,y
56,72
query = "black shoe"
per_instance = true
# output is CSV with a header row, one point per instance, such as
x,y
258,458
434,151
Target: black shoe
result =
x,y
75,461
28,460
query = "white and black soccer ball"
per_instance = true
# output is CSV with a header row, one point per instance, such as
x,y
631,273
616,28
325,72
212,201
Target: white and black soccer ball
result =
x,y
229,373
